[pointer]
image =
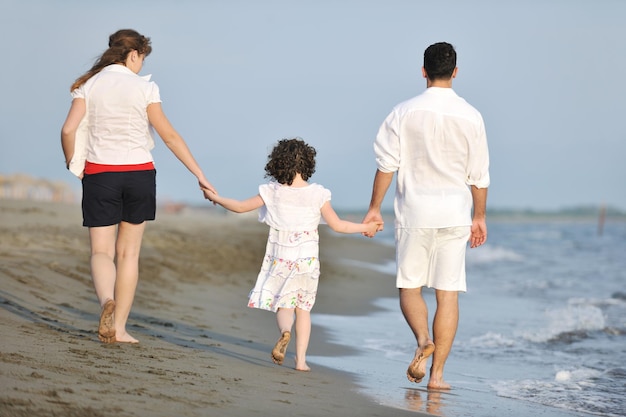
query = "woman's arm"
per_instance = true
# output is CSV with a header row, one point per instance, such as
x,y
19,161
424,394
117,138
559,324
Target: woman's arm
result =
x,y
176,143
68,131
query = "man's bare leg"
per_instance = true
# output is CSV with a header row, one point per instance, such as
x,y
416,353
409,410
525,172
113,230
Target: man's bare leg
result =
x,y
415,313
445,325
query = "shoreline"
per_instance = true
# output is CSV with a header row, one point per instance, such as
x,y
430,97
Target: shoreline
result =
x,y
201,350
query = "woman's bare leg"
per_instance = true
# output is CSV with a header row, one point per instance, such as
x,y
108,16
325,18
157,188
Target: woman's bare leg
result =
x,y
103,274
128,247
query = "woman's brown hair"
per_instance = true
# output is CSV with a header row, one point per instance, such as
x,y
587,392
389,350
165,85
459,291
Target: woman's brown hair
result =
x,y
121,43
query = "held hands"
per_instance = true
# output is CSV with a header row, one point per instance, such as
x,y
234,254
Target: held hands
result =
x,y
206,185
209,193
208,190
372,228
373,217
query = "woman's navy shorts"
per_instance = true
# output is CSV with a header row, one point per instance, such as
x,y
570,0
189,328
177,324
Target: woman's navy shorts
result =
x,y
112,197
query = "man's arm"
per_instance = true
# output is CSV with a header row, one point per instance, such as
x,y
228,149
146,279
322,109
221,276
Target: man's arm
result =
x,y
382,180
478,235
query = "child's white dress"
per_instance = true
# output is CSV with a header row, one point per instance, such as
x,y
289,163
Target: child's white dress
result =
x,y
290,270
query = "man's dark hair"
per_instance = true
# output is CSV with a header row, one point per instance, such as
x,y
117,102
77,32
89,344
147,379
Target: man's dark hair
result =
x,y
439,61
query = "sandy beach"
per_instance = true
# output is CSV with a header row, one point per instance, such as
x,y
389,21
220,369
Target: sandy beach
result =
x,y
202,352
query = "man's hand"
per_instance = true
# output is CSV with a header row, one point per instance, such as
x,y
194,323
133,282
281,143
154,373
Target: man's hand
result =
x,y
478,235
376,217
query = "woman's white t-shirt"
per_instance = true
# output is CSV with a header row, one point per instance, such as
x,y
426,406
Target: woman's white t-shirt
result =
x,y
117,129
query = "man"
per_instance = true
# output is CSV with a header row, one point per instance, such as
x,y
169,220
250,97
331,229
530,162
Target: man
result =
x,y
436,142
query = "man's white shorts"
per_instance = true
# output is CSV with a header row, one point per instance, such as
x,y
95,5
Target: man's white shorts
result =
x,y
434,258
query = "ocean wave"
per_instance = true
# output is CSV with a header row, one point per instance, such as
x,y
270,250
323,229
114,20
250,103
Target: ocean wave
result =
x,y
489,254
491,340
576,375
598,302
619,295
388,267
568,324
583,390
389,348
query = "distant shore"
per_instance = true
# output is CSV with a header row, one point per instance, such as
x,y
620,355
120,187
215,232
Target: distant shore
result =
x,y
20,186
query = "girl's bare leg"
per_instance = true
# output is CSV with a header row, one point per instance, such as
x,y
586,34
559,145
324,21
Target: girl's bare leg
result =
x,y
284,320
303,335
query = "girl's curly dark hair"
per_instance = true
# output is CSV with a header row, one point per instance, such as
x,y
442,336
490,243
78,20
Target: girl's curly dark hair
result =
x,y
288,158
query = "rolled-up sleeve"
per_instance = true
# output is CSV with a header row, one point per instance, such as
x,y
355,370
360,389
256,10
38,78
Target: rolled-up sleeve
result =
x,y
387,144
478,159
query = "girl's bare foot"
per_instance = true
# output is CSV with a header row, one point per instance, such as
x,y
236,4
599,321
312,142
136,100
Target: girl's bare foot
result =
x,y
106,328
278,353
417,368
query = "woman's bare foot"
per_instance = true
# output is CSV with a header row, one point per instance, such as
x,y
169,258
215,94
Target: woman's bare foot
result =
x,y
417,368
278,353
124,337
106,328
302,366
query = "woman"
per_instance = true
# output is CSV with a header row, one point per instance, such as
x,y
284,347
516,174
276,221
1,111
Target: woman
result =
x,y
118,108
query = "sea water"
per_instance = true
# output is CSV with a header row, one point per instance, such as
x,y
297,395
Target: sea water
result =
x,y
542,328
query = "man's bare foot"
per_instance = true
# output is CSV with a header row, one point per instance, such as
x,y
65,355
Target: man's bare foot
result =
x,y
417,368
302,366
278,353
437,384
106,328
124,337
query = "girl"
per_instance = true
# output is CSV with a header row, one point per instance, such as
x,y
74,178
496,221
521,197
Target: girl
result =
x,y
287,282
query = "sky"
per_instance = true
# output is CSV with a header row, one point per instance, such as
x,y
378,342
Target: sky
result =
x,y
236,76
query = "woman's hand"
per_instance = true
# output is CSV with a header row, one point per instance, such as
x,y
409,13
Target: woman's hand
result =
x,y
206,185
209,194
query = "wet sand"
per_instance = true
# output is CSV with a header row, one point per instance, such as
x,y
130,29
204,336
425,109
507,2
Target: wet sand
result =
x,y
202,352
